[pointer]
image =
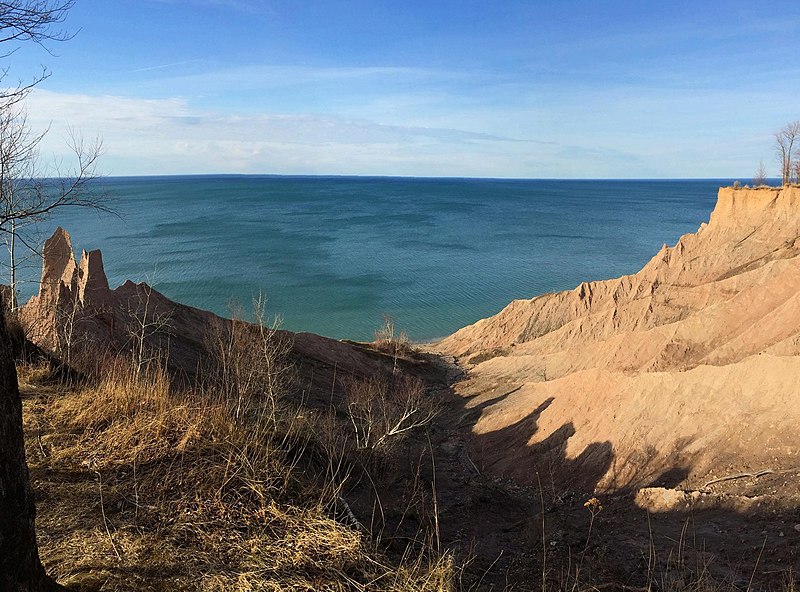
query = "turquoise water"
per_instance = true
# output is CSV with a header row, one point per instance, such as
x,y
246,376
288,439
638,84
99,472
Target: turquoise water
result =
x,y
332,254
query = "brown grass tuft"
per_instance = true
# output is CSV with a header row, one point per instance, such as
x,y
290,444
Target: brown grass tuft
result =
x,y
147,487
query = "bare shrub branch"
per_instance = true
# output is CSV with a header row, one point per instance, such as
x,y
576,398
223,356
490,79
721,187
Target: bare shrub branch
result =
x,y
146,322
380,409
391,342
251,366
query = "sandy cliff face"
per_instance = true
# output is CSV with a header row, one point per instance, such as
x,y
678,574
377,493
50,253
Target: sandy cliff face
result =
x,y
75,309
686,368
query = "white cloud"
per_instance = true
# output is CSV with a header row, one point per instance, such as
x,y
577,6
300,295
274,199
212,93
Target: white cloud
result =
x,y
613,133
168,136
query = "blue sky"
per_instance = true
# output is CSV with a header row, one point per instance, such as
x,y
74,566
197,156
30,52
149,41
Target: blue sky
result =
x,y
567,89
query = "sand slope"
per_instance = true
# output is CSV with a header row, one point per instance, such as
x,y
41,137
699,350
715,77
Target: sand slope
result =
x,y
685,370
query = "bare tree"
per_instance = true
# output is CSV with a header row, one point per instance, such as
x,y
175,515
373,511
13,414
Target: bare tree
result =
x,y
17,155
29,192
147,323
760,178
20,568
787,140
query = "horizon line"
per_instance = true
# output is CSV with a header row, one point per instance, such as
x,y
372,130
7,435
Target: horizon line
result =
x,y
416,177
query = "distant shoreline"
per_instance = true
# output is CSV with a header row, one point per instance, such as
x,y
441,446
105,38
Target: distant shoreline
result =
x,y
724,181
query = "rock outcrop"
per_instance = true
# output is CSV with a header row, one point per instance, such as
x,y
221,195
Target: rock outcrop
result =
x,y
75,308
66,289
686,368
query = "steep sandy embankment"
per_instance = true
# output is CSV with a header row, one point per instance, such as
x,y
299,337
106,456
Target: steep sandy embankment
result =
x,y
686,370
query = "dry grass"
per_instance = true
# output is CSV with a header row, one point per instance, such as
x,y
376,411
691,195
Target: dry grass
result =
x,y
143,487
33,374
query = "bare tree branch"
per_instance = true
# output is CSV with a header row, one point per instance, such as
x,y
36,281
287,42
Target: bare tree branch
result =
x,y
20,21
33,20
30,193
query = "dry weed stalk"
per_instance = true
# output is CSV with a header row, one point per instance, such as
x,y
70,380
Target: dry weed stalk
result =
x,y
251,367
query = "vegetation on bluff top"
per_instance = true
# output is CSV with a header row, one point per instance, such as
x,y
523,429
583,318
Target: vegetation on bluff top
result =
x,y
227,485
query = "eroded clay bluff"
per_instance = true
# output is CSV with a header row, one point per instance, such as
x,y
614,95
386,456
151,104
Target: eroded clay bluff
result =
x,y
683,372
76,310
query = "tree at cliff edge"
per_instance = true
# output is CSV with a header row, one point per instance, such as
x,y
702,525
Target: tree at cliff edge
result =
x,y
30,191
786,140
20,568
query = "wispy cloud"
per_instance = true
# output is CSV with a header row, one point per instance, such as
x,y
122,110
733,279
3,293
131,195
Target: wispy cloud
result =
x,y
160,136
268,76
616,131
164,66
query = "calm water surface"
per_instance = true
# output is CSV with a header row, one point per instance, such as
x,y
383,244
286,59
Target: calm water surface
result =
x,y
332,254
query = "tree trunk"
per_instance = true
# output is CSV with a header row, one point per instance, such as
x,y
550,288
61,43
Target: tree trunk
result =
x,y
13,264
20,569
